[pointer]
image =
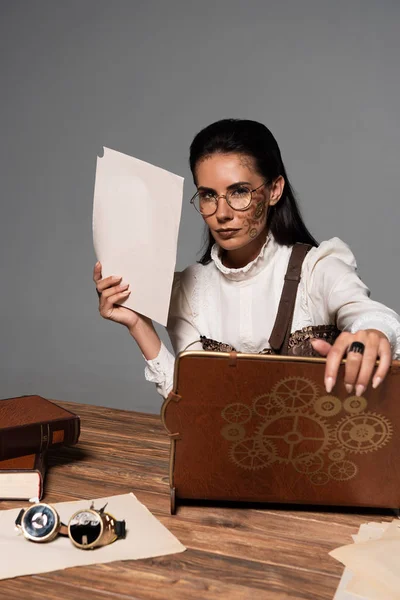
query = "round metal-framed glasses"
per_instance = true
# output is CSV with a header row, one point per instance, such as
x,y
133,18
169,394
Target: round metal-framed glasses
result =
x,y
239,198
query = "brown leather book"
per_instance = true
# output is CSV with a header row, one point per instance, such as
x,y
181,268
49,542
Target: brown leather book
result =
x,y
32,424
22,478
248,427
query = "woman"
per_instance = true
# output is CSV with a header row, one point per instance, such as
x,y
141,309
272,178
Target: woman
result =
x,y
230,299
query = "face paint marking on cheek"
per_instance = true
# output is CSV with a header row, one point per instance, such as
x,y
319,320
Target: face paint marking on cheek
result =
x,y
253,233
259,209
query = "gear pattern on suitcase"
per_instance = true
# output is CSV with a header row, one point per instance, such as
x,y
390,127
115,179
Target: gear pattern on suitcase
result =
x,y
291,425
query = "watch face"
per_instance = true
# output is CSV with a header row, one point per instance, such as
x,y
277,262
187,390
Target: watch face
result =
x,y
40,522
85,527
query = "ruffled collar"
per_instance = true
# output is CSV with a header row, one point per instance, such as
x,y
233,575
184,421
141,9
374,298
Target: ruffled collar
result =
x,y
252,268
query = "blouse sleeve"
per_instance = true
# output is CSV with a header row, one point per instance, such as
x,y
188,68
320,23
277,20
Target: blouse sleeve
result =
x,y
336,290
182,333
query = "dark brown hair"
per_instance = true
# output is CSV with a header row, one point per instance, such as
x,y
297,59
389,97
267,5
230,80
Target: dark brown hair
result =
x,y
253,139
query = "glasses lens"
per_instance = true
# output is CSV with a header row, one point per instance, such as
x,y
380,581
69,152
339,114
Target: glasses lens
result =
x,y
239,198
205,203
40,521
85,528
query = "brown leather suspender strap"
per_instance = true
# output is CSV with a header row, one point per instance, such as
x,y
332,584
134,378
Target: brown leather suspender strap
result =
x,y
281,331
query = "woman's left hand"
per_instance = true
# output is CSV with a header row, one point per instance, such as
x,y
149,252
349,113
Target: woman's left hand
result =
x,y
359,367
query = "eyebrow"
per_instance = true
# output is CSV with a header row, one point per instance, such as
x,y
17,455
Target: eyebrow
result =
x,y
233,185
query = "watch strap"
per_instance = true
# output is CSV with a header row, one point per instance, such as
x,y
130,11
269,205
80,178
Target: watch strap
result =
x,y
18,520
120,529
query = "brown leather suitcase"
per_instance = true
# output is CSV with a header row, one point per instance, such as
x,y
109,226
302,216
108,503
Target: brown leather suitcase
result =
x,y
262,428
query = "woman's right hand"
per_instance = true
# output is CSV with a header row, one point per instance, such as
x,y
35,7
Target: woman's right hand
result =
x,y
110,291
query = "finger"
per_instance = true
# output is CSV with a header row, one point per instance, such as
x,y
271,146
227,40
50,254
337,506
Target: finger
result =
x,y
106,307
385,360
115,289
321,346
97,271
334,359
108,282
367,365
354,361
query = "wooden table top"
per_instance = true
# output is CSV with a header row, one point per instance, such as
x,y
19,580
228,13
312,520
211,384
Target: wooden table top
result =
x,y
232,552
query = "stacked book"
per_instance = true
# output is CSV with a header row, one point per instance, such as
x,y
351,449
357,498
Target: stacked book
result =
x,y
29,426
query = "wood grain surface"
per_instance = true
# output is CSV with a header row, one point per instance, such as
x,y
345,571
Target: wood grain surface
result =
x,y
235,552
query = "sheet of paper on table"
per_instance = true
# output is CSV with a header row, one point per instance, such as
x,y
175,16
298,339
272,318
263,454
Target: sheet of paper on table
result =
x,y
136,215
372,563
146,537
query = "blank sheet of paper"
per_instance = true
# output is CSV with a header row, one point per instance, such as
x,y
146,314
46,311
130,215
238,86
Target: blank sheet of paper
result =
x,y
136,215
146,537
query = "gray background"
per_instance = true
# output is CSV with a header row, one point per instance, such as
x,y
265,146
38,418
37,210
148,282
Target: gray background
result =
x,y
143,78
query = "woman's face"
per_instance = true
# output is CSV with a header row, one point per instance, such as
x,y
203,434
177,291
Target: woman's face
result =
x,y
233,229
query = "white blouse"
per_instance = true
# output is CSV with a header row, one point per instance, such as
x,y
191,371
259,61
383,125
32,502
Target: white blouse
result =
x,y
239,306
